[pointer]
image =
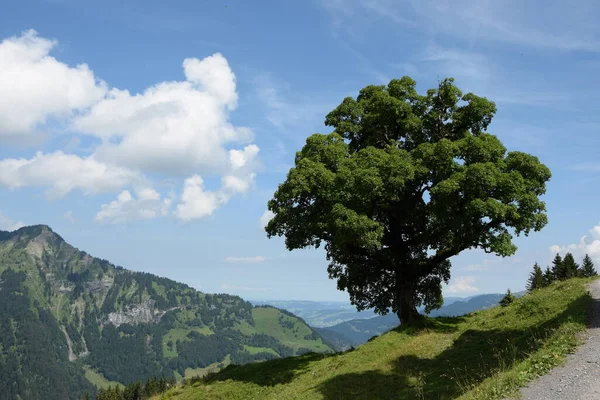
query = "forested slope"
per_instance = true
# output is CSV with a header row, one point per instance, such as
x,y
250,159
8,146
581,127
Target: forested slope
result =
x,y
63,312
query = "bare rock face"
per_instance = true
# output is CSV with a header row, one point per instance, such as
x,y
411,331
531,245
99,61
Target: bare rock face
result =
x,y
142,313
102,285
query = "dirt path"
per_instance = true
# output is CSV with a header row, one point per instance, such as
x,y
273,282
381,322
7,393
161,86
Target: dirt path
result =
x,y
579,377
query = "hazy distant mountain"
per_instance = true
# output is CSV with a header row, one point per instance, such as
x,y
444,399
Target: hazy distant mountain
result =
x,y
68,320
321,314
358,331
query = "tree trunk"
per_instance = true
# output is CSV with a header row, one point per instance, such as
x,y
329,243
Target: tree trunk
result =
x,y
407,312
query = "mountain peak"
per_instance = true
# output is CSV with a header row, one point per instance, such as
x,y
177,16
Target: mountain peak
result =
x,y
35,238
40,228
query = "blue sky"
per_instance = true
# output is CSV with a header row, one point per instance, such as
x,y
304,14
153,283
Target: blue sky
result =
x,y
152,135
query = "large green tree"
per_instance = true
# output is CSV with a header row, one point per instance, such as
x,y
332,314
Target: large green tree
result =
x,y
404,182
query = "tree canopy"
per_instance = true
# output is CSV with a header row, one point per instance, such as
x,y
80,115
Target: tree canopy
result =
x,y
404,182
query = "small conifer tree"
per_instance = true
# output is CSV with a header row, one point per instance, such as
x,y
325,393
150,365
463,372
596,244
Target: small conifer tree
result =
x,y
587,268
557,267
570,268
507,299
536,278
548,276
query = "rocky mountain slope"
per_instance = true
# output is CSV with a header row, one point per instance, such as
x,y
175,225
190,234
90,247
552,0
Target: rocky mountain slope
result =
x,y
66,316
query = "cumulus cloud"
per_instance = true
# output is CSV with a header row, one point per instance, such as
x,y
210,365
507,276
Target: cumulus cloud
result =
x,y
172,129
62,173
36,86
8,224
588,244
146,205
265,218
246,260
462,284
196,202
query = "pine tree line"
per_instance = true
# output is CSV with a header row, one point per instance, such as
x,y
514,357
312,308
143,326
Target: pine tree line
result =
x,y
135,391
561,270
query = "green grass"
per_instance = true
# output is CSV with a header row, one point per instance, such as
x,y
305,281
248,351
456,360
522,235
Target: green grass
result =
x,y
98,380
267,322
180,334
245,328
486,355
255,350
200,372
160,290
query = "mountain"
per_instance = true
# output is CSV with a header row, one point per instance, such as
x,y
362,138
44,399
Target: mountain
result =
x,y
359,331
68,319
322,314
485,355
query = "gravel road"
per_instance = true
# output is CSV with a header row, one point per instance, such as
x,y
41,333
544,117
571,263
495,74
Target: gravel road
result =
x,y
579,377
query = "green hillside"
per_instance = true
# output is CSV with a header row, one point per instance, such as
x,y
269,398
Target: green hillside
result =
x,y
485,355
69,322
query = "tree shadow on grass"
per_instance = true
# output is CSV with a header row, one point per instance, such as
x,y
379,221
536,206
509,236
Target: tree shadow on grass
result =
x,y
437,325
474,356
279,371
268,373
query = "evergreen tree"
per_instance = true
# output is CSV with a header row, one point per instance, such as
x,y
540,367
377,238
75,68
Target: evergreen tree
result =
x,y
536,278
569,267
557,267
587,268
507,299
548,276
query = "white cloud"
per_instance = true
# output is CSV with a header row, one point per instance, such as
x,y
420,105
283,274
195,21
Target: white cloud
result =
x,y
62,173
68,216
265,218
588,244
35,86
227,286
147,205
8,224
462,284
196,202
246,260
173,128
